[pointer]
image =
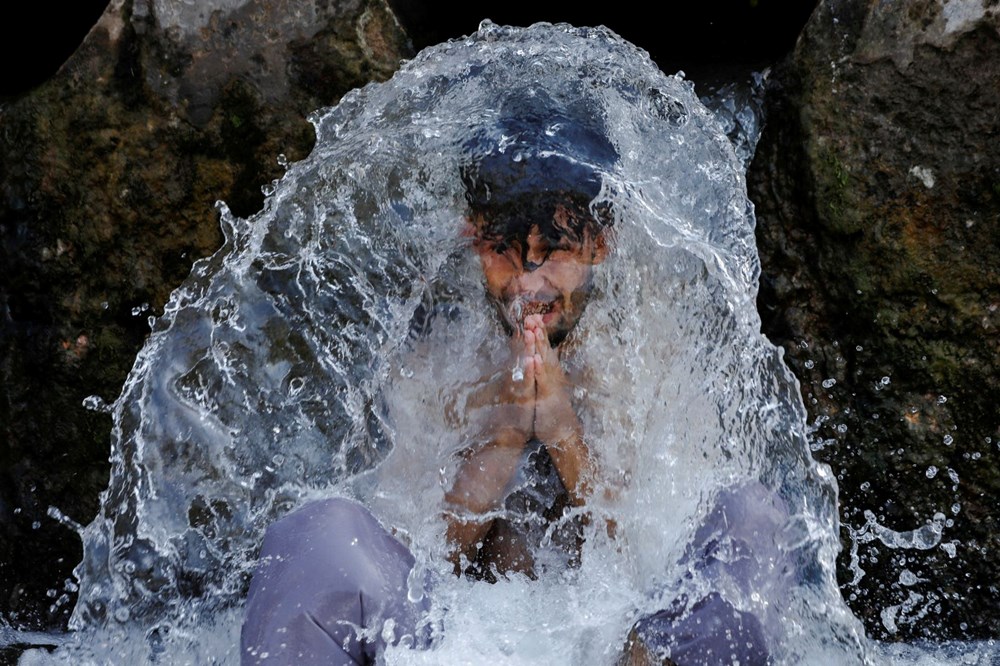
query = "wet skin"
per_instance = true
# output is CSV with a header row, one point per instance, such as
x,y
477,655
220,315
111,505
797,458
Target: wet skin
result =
x,y
551,282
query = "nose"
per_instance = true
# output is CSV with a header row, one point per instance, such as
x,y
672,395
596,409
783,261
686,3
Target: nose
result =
x,y
535,251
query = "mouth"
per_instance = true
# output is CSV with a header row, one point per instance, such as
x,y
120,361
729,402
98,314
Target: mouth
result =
x,y
536,307
520,307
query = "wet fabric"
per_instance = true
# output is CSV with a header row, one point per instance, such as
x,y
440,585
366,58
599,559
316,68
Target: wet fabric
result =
x,y
331,579
331,588
709,631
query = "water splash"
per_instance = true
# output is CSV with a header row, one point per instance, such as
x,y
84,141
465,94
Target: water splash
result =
x,y
325,348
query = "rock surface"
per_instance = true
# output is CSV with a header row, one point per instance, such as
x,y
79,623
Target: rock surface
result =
x,y
108,175
877,187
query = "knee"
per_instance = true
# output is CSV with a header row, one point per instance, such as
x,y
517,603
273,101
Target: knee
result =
x,y
318,527
709,632
321,517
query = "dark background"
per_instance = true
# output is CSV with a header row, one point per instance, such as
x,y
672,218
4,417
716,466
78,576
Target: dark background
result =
x,y
701,38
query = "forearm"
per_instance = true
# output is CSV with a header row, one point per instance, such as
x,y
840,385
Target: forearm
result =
x,y
562,434
480,481
464,534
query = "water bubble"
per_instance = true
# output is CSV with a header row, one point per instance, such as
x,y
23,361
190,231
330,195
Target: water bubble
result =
x,y
953,475
956,508
829,383
139,309
36,524
885,381
931,472
941,400
810,364
948,439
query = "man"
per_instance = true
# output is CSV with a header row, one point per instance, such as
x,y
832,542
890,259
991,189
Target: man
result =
x,y
538,242
331,579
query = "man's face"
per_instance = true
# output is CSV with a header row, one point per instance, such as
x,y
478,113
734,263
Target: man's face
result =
x,y
545,276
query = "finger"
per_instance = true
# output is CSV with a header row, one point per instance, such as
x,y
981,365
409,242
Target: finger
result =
x,y
541,335
533,321
530,342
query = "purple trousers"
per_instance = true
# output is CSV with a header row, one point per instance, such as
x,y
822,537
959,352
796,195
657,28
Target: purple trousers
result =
x,y
330,577
328,580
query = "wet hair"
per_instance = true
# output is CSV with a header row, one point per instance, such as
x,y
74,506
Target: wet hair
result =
x,y
538,156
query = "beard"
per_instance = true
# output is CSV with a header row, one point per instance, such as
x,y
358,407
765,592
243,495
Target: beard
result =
x,y
570,311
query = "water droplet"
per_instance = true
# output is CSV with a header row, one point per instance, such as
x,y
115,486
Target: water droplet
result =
x,y
948,439
941,400
810,364
956,508
829,383
931,472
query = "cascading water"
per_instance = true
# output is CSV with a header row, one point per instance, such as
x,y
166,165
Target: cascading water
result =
x,y
290,366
